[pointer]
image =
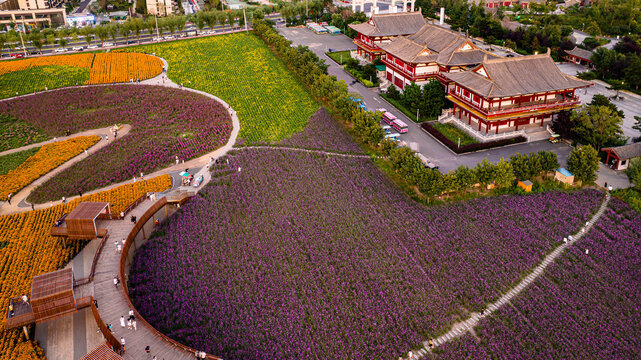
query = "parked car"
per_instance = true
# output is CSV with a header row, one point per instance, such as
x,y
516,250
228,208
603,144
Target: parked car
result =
x,y
91,47
17,55
77,48
393,136
108,44
60,50
387,129
169,37
156,39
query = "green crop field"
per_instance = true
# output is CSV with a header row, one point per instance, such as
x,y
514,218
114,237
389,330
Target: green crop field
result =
x,y
238,68
39,78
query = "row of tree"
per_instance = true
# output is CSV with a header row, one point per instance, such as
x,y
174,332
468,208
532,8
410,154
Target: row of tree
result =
x,y
132,27
366,125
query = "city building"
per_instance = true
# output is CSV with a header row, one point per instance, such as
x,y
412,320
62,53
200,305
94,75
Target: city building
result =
x,y
503,94
382,28
29,18
427,54
160,7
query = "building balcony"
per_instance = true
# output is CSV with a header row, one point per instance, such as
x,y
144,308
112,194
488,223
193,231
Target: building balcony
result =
x,y
368,47
533,106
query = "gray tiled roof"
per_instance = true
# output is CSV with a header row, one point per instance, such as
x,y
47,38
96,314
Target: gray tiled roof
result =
x,y
391,24
433,43
581,53
517,76
626,152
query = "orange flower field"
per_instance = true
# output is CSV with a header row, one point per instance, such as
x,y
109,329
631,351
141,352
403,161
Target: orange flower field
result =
x,y
78,60
27,250
46,159
121,67
24,76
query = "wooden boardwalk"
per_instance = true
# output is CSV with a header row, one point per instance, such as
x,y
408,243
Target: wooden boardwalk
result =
x,y
112,303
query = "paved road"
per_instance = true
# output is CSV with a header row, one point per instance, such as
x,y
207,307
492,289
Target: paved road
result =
x,y
427,145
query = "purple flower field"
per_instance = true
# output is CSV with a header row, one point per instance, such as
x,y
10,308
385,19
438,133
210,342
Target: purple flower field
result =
x,y
165,123
303,256
323,133
585,307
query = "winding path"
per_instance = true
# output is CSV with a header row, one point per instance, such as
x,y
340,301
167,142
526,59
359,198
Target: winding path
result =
x,y
463,327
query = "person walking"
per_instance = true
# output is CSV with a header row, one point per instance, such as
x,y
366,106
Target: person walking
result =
x,y
131,314
32,207
122,341
122,321
116,281
9,198
147,349
133,323
116,246
64,200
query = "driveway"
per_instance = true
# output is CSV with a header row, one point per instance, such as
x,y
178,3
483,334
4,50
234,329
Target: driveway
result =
x,y
426,144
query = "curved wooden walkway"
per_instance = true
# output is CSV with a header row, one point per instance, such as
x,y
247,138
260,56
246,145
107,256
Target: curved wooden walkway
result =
x,y
112,303
463,327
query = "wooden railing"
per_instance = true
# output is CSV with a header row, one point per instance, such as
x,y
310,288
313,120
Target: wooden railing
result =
x,y
112,216
522,107
96,255
123,259
111,339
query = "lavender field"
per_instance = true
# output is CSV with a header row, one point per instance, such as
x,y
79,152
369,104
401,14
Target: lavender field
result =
x,y
585,307
310,256
165,123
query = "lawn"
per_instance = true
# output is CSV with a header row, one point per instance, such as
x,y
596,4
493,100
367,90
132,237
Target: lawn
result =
x,y
586,306
165,123
40,78
300,254
397,104
339,56
239,68
453,133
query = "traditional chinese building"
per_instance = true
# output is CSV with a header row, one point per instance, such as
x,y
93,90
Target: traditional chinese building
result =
x,y
507,93
581,57
382,28
427,54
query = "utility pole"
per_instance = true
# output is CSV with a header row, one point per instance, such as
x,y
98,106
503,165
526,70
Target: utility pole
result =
x,y
417,115
245,16
22,40
156,17
306,8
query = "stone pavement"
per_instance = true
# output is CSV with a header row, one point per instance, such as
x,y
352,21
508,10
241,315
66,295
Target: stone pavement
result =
x,y
463,327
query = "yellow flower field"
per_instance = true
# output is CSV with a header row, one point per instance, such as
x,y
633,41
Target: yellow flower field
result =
x,y
27,250
46,159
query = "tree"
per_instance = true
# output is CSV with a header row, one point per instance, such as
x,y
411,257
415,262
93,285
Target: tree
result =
x,y
113,31
633,71
433,99
520,166
393,92
465,176
485,172
412,95
583,162
634,173
62,42
87,31
125,30
591,42
597,125
102,33
503,173
562,124
549,161
36,39
602,100
603,60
